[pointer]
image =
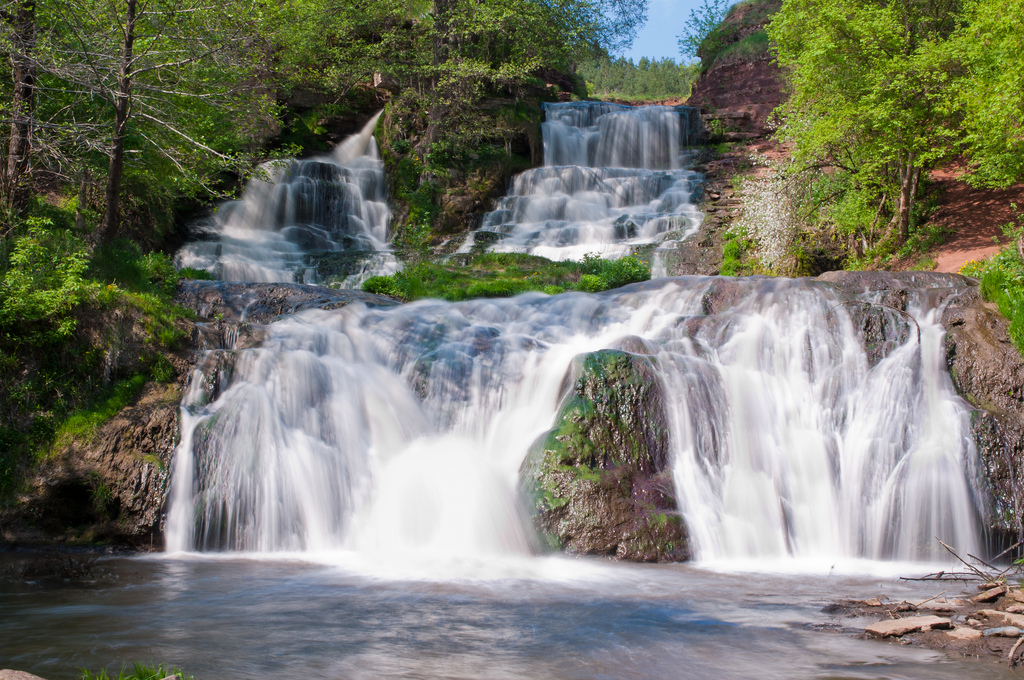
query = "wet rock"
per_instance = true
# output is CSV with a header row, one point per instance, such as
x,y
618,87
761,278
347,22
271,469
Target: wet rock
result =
x,y
881,328
911,624
264,302
1005,618
1002,631
988,371
599,482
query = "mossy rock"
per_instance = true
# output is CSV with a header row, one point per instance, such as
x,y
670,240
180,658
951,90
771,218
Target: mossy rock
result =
x,y
599,481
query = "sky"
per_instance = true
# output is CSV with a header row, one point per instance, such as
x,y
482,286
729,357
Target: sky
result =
x,y
657,39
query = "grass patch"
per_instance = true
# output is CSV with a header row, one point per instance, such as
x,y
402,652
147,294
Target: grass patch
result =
x,y
83,424
734,247
1002,282
494,275
138,672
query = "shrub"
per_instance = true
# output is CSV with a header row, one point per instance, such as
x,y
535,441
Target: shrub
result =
x,y
44,282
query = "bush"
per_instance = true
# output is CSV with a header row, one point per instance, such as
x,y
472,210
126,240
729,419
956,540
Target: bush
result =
x,y
43,283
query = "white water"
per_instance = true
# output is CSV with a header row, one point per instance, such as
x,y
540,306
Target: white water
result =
x,y
399,433
328,204
614,178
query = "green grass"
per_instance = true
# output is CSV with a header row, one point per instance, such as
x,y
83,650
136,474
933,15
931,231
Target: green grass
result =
x,y
494,275
82,425
1002,282
138,672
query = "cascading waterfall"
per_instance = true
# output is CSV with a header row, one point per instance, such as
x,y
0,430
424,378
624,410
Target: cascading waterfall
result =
x,y
404,428
614,178
325,205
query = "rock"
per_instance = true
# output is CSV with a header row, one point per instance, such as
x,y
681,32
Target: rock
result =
x,y
7,674
873,602
988,371
964,633
110,488
599,481
1015,595
264,302
1003,631
1006,618
989,595
911,624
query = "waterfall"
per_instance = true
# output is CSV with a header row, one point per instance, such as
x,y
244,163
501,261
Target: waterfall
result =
x,y
326,205
405,428
613,179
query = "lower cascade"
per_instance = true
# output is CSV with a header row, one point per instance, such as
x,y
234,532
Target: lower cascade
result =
x,y
794,418
332,207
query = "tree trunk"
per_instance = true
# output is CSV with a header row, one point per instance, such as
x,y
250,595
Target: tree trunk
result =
x,y
909,175
22,104
122,110
443,10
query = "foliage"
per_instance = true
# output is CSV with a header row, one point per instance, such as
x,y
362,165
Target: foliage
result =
x,y
620,78
1002,282
772,217
79,334
138,672
700,25
42,283
506,275
868,95
156,90
987,53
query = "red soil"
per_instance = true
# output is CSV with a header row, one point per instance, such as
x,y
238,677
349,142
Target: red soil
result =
x,y
974,216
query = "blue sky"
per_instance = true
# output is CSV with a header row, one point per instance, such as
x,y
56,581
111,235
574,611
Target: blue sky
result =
x,y
657,39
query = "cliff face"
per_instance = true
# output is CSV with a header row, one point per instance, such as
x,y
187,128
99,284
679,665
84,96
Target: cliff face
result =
x,y
740,84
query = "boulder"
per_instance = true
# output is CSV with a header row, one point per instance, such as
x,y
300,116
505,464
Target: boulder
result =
x,y
8,674
599,481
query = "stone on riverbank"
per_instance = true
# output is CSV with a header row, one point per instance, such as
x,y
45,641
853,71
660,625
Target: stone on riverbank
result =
x,y
8,674
911,624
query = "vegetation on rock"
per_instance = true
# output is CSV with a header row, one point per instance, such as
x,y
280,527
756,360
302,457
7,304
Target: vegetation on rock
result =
x,y
599,481
506,275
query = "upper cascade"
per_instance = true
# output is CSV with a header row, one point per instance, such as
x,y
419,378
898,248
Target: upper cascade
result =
x,y
324,204
614,178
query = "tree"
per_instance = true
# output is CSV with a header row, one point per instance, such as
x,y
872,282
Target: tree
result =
x,y
987,55
19,37
701,22
868,94
147,81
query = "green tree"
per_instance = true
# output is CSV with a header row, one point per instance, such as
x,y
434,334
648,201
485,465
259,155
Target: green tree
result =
x,y
987,55
163,85
869,95
699,25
